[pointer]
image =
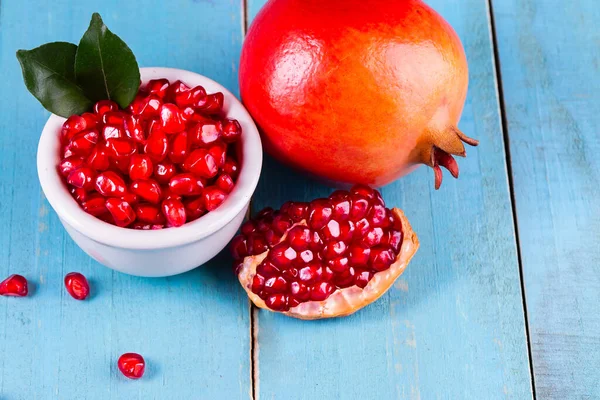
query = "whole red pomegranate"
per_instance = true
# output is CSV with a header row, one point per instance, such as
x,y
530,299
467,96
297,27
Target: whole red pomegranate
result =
x,y
356,91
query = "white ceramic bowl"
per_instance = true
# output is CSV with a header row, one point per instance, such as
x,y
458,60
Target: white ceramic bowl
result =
x,y
160,252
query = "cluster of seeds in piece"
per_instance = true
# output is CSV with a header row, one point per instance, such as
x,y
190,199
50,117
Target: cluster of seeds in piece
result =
x,y
167,159
319,247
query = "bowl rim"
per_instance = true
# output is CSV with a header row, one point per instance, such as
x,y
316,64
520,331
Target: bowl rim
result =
x,y
69,211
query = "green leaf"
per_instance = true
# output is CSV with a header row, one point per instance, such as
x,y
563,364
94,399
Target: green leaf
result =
x,y
49,74
105,67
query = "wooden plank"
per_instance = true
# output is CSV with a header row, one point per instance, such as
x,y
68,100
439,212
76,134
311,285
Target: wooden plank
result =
x,y
193,329
453,325
549,57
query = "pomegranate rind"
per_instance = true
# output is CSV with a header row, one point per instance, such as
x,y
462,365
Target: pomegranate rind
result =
x,y
345,301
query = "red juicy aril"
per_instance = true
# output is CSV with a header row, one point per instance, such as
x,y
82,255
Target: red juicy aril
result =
x,y
14,285
167,159
326,258
77,285
356,91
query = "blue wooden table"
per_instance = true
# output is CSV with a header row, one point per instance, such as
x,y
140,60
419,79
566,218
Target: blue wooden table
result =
x,y
502,300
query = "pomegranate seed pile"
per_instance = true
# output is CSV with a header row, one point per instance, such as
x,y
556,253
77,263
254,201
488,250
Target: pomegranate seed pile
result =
x,y
168,159
328,244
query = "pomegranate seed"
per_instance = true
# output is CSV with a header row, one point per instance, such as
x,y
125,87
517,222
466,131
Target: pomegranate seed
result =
x,y
278,302
157,145
77,285
186,185
134,129
158,87
321,291
213,197
219,153
109,183
149,107
345,278
195,208
319,213
334,249
130,198
69,164
170,119
91,120
148,190
232,131
174,212
176,88
275,285
339,264
121,211
231,168
116,118
372,237
281,223
201,163
359,256
73,125
378,216
98,159
104,106
300,291
140,167
120,148
206,132
132,365
258,282
79,194
362,278
360,207
212,104
82,177
179,147
14,285
149,214
311,273
297,211
381,258
257,244
299,238
191,97
282,256
164,171
238,248
363,190
225,183
94,205
83,142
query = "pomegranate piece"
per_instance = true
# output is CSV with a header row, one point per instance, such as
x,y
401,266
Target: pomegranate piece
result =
x,y
77,285
14,285
132,365
311,260
400,134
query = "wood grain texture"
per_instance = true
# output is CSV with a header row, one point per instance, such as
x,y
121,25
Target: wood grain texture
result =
x,y
550,63
452,326
192,329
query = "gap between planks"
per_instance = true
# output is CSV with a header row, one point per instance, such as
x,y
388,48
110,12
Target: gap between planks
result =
x,y
505,133
251,307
